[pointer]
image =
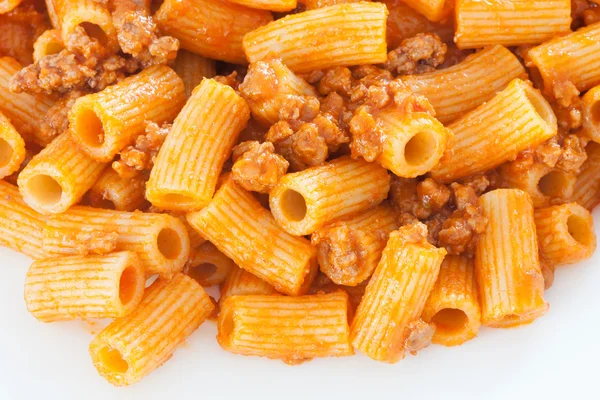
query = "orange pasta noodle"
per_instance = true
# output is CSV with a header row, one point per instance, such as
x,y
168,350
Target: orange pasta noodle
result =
x,y
414,143
196,240
132,347
59,176
349,249
91,15
268,85
387,322
517,118
574,57
456,90
209,266
51,9
434,10
20,227
25,111
293,329
160,240
48,43
241,282
510,22
302,202
12,148
587,187
565,233
339,35
453,306
8,5
591,114
222,26
103,123
192,68
271,5
185,173
236,223
106,286
510,281
542,183
314,4
113,192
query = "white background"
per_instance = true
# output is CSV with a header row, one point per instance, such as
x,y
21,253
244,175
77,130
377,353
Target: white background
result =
x,y
555,357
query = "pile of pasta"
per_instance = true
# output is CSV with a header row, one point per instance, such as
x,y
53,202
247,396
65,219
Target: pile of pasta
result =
x,y
367,228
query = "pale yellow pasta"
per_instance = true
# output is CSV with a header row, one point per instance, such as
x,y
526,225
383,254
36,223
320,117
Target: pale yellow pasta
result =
x,y
236,223
209,266
456,90
84,287
565,233
91,15
59,176
339,35
509,278
591,114
515,119
48,43
587,187
293,329
192,68
133,346
211,28
510,22
103,123
389,312
414,143
113,192
185,173
21,228
12,148
302,202
160,240
434,10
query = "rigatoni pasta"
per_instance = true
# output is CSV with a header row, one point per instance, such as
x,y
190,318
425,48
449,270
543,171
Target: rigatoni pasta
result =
x,y
192,68
339,35
209,266
241,282
590,114
12,148
434,10
271,5
93,16
113,192
84,287
586,191
48,43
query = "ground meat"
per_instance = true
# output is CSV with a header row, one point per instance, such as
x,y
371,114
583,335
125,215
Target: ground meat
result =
x,y
256,166
94,242
56,120
416,55
432,196
337,80
21,26
479,183
573,154
141,155
297,109
308,147
419,336
569,117
367,135
565,92
330,131
564,151
234,79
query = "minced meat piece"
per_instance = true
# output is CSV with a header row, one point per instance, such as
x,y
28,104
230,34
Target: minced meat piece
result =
x,y
94,242
258,168
367,135
416,55
56,120
337,80
419,336
573,154
432,195
308,147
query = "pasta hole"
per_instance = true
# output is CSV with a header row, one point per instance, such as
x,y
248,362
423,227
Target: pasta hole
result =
x,y
510,319
105,204
227,324
90,129
94,32
541,106
54,48
202,272
593,151
450,320
595,112
112,360
553,184
536,77
44,189
6,152
293,205
579,229
128,285
169,243
420,148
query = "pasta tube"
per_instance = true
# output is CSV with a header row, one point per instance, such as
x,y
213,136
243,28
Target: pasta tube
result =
x,y
209,266
93,16
223,25
456,90
510,22
335,36
115,193
453,306
12,148
185,173
103,123
48,43
271,5
58,177
289,328
349,249
160,240
434,10
302,202
106,286
565,233
510,281
132,347
387,320
8,5
515,119
241,282
192,68
236,223
591,114
413,144
587,187
20,227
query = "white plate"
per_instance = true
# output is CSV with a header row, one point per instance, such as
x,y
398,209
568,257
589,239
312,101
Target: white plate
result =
x,y
556,356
